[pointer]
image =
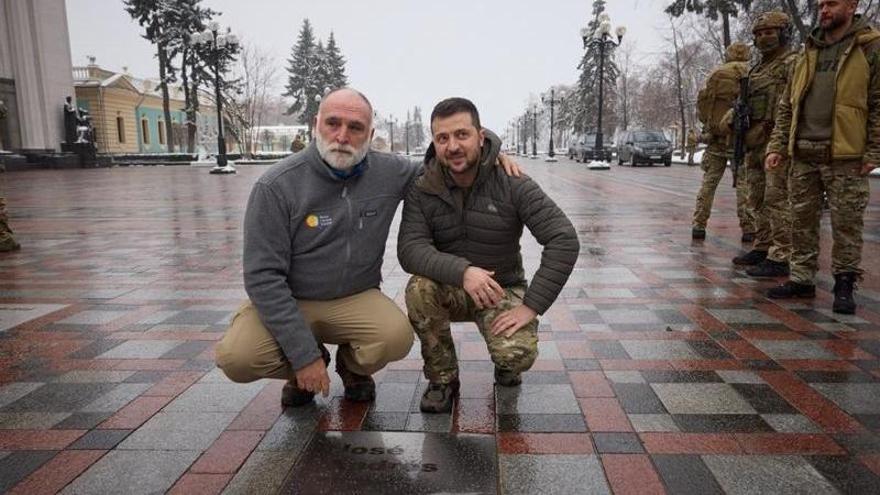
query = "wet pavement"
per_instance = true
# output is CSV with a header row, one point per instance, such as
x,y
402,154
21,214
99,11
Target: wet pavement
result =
x,y
662,368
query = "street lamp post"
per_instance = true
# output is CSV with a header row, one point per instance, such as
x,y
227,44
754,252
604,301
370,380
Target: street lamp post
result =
x,y
534,132
406,133
523,138
601,39
391,132
551,153
216,42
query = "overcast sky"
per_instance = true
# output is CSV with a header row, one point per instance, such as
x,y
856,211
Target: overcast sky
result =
x,y
401,53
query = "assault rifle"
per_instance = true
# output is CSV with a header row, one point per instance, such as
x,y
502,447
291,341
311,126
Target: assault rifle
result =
x,y
741,112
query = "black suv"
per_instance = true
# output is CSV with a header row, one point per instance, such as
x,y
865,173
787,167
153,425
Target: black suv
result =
x,y
583,149
644,147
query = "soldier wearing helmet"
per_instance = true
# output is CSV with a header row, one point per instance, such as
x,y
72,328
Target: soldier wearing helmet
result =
x,y
768,191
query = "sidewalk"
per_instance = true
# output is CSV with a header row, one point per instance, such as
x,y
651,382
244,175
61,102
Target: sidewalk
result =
x,y
662,368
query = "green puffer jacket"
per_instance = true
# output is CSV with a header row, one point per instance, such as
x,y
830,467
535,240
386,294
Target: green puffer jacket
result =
x,y
439,240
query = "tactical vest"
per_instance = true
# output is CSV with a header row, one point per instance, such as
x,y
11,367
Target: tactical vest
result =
x,y
766,85
718,95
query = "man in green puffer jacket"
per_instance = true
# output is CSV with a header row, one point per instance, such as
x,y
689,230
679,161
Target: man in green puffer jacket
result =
x,y
460,238
828,123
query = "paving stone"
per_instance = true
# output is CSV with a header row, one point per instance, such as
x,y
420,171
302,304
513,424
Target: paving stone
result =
x,y
752,316
140,349
216,397
60,397
15,466
536,399
846,474
854,398
685,475
701,398
263,472
652,422
385,421
434,423
30,420
739,376
530,474
94,376
83,421
11,392
625,377
546,423
12,315
793,349
658,349
394,397
721,423
638,398
133,472
99,440
178,431
790,423
373,462
92,317
767,474
292,430
116,398
617,443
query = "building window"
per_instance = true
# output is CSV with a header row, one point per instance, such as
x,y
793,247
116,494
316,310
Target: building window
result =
x,y
120,129
145,130
161,132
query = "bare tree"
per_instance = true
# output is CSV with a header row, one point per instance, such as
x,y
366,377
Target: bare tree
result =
x,y
256,72
625,65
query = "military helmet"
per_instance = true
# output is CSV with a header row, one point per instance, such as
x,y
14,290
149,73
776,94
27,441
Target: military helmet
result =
x,y
772,20
737,52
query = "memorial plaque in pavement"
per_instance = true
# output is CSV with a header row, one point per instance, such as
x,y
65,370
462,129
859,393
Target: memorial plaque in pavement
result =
x,y
395,462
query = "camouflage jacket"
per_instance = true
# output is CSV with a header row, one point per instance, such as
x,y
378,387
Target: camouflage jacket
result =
x,y
856,119
767,82
440,237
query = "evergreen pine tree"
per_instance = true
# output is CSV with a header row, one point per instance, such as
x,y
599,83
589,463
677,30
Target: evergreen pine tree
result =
x,y
713,9
584,109
418,128
337,64
302,82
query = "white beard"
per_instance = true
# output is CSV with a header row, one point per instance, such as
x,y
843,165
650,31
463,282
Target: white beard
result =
x,y
341,156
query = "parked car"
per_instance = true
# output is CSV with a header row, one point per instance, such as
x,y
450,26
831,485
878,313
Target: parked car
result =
x,y
648,147
583,149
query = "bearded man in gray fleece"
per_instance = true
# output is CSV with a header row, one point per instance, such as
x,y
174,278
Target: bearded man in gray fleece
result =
x,y
315,231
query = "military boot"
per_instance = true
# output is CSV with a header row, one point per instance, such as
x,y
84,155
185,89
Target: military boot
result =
x,y
439,396
753,257
844,283
9,244
358,388
293,396
768,269
698,234
507,378
790,290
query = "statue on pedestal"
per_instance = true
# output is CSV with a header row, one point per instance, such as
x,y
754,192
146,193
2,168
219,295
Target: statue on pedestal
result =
x,y
70,120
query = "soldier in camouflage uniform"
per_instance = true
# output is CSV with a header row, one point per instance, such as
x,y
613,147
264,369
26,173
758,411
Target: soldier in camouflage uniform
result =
x,y
717,154
7,241
828,123
691,145
460,238
768,191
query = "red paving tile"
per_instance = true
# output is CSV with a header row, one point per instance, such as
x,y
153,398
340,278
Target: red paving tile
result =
x,y
633,365
547,365
263,410
817,365
544,443
632,474
702,318
174,384
150,364
590,384
690,443
135,413
343,415
474,416
200,484
706,364
57,473
740,349
576,350
38,439
810,403
872,462
847,350
788,443
228,452
604,415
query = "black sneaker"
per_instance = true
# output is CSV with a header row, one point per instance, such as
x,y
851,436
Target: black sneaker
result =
x,y
768,269
747,237
358,388
698,234
790,290
293,396
439,396
507,378
753,257
844,284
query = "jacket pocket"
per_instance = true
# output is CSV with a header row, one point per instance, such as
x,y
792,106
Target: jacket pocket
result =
x,y
850,131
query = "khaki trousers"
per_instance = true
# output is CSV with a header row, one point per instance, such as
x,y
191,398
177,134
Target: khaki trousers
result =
x,y
369,328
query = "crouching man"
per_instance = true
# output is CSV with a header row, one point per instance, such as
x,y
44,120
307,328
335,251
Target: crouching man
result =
x,y
460,238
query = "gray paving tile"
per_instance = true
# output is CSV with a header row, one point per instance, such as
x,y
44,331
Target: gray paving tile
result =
x,y
83,421
115,399
739,376
536,399
133,472
141,349
659,349
532,474
263,472
624,377
652,422
854,398
686,475
622,316
638,398
60,397
292,431
91,317
701,398
541,423
385,421
791,423
434,423
100,440
13,391
94,376
793,349
753,474
394,397
12,315
216,397
178,431
30,420
617,443
547,350
15,466
742,316
847,474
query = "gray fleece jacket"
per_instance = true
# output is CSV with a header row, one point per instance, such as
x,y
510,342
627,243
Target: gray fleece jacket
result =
x,y
310,235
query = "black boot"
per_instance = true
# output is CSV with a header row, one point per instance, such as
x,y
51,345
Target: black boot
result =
x,y
844,283
698,234
790,290
768,269
753,257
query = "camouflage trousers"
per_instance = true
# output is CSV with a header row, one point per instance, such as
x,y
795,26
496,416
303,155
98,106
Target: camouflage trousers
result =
x,y
7,241
432,306
768,201
848,192
713,164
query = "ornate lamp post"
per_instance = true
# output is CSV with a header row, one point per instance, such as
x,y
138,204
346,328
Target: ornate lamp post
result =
x,y
601,39
534,132
215,43
551,154
523,139
406,133
391,132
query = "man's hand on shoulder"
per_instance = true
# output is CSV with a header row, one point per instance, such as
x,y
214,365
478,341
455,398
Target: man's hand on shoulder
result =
x,y
313,377
510,321
482,288
772,161
511,168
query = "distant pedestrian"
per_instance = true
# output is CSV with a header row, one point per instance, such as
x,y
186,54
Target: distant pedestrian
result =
x,y
691,145
297,145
